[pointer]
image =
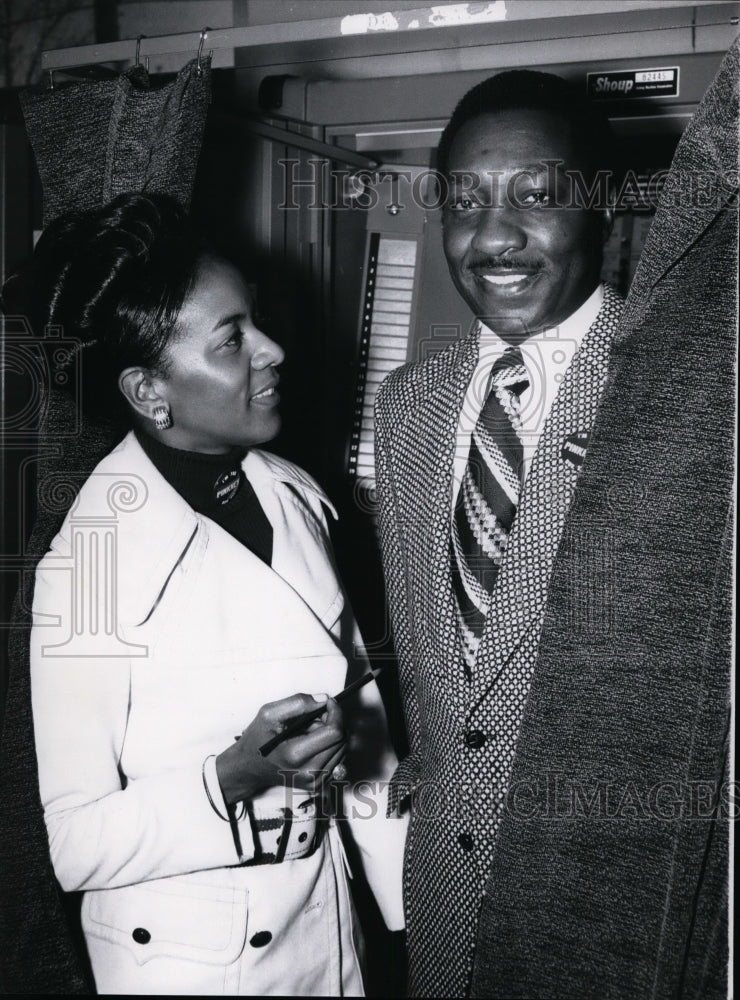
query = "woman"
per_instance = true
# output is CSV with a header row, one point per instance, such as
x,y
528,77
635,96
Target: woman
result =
x,y
188,600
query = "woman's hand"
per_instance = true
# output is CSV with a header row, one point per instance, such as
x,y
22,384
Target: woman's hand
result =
x,y
303,760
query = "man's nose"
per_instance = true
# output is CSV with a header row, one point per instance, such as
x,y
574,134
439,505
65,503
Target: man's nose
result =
x,y
499,229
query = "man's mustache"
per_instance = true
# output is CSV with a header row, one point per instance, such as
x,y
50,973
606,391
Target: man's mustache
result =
x,y
508,263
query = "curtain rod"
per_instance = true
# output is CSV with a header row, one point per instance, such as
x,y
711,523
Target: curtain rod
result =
x,y
442,16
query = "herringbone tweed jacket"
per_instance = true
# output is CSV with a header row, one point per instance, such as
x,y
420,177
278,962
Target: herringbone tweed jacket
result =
x,y
456,786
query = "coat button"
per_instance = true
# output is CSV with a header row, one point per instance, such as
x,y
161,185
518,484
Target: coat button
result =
x,y
303,836
474,739
141,935
465,840
260,939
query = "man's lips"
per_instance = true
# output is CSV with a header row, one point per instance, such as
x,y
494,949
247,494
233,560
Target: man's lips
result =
x,y
505,280
510,279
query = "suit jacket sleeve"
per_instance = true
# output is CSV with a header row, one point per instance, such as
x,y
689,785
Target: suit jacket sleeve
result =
x,y
391,540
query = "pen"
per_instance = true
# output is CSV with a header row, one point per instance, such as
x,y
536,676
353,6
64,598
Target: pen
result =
x,y
301,721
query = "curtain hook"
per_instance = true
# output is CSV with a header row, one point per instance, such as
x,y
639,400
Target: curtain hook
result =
x,y
138,48
199,68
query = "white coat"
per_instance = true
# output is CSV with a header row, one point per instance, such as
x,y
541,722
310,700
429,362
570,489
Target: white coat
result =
x,y
157,637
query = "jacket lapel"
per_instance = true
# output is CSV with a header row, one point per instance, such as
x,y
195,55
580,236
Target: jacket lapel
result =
x,y
149,523
430,434
280,486
521,587
154,527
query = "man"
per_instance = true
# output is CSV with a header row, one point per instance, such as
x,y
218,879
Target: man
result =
x,y
478,451
625,896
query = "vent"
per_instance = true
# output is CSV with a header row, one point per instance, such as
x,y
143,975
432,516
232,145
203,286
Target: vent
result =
x,y
385,329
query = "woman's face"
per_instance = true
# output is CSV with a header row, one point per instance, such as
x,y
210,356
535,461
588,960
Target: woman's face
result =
x,y
221,381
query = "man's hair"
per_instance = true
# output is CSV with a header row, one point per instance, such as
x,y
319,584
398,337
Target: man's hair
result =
x,y
534,91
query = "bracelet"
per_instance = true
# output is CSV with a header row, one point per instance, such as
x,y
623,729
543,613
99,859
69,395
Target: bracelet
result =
x,y
232,817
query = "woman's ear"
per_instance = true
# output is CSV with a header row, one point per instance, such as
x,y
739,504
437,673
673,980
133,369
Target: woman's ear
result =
x,y
142,391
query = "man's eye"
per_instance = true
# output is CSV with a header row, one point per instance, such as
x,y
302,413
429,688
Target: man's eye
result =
x,y
536,198
463,204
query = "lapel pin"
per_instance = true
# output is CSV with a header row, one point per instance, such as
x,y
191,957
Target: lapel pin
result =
x,y
225,487
574,448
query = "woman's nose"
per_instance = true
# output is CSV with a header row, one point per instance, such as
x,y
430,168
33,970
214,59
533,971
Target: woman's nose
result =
x,y
266,352
498,230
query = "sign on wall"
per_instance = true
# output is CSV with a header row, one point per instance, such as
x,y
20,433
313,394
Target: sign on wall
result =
x,y
630,83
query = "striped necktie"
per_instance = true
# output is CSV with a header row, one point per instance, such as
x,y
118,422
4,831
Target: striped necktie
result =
x,y
488,498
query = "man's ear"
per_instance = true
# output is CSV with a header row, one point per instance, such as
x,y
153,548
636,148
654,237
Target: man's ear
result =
x,y
143,391
607,213
607,222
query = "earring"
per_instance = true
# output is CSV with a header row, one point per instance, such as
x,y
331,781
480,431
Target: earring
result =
x,y
162,417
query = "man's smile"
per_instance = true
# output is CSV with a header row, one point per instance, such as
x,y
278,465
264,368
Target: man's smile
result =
x,y
507,280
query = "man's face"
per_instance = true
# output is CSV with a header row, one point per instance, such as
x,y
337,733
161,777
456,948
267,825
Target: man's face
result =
x,y
520,253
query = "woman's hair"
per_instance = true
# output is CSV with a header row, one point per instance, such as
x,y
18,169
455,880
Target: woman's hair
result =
x,y
114,280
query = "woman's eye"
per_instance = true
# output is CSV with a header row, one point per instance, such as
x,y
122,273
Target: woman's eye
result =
x,y
234,339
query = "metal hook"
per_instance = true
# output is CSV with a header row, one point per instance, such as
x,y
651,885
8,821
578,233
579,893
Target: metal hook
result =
x,y
51,79
138,48
198,67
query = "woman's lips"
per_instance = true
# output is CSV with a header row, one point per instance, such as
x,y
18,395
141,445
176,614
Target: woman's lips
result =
x,y
266,397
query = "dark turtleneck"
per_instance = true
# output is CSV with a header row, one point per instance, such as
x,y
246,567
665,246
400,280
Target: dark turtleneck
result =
x,y
215,485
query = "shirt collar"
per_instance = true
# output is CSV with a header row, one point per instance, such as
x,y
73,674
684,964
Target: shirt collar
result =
x,y
573,328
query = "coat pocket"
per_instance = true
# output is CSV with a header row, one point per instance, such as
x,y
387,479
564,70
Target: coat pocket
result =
x,y
176,918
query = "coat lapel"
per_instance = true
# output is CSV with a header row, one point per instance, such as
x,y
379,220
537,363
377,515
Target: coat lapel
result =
x,y
278,484
154,527
430,433
521,587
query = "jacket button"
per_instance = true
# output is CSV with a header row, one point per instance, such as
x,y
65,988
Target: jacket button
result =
x,y
474,739
303,836
260,939
141,935
465,840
